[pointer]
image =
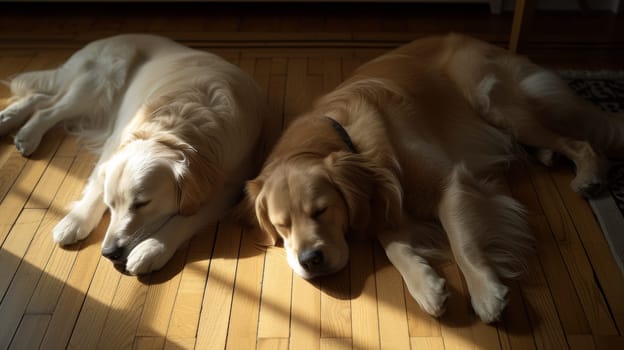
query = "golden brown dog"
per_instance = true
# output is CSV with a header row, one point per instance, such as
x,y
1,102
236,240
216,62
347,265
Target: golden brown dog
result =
x,y
408,149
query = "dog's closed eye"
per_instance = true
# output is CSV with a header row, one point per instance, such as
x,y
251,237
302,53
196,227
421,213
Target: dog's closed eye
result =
x,y
140,204
284,225
318,212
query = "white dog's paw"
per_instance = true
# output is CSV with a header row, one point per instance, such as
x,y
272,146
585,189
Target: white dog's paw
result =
x,y
7,122
489,300
149,255
70,230
430,293
26,142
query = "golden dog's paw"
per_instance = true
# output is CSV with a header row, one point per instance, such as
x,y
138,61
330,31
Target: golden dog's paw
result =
x,y
588,188
430,293
489,301
149,255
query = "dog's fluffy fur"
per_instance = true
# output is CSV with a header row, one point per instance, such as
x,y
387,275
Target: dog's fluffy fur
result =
x,y
175,129
434,122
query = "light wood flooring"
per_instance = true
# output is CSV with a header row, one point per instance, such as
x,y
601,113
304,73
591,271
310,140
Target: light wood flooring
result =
x,y
222,291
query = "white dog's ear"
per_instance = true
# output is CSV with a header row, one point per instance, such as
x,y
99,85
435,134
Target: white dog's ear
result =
x,y
197,180
257,201
196,175
364,185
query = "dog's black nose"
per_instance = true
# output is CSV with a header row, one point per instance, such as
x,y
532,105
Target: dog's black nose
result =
x,y
112,253
311,259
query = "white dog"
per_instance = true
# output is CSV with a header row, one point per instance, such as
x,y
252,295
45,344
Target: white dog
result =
x,y
176,129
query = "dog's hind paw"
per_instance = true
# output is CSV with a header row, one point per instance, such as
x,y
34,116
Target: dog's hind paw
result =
x,y
25,146
149,255
8,121
588,190
490,301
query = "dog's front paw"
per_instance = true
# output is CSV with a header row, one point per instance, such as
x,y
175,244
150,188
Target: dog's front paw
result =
x,y
430,293
70,230
149,255
489,300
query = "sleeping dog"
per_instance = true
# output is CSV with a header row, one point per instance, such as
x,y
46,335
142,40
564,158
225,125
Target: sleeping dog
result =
x,y
409,148
174,128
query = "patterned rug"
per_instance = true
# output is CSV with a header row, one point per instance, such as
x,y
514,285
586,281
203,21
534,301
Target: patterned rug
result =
x,y
606,89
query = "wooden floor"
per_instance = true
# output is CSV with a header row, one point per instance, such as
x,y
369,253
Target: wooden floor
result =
x,y
221,290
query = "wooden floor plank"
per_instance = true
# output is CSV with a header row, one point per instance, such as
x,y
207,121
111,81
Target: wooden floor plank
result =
x,y
123,320
30,331
184,316
96,307
46,188
72,298
516,331
336,306
581,342
568,304
547,328
26,180
161,295
305,318
217,302
573,253
62,259
364,312
430,343
456,321
149,343
393,330
272,344
16,244
28,274
243,329
274,318
607,272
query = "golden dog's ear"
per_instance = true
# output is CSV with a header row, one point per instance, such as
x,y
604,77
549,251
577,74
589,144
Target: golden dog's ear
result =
x,y
365,185
268,235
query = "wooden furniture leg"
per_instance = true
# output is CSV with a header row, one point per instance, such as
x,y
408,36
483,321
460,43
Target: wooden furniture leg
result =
x,y
523,14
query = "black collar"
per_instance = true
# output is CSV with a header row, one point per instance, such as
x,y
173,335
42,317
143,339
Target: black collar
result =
x,y
343,134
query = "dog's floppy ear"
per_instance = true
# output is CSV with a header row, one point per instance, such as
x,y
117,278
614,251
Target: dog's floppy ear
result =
x,y
197,183
197,177
365,185
257,201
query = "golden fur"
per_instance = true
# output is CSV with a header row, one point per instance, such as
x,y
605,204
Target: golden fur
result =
x,y
434,122
175,130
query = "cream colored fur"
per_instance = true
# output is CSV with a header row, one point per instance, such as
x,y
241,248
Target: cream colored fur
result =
x,y
175,130
434,122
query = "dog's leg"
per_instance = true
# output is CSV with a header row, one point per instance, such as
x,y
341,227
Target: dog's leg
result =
x,y
83,217
18,112
487,234
424,284
77,100
85,213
